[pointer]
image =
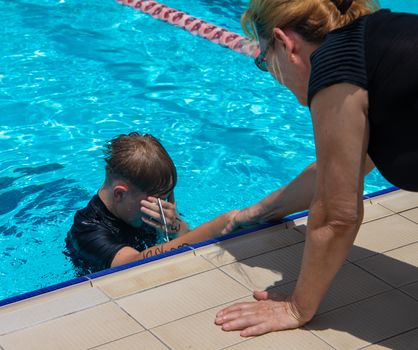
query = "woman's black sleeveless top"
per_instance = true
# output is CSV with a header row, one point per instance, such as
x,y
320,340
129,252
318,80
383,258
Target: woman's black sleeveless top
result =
x,y
379,53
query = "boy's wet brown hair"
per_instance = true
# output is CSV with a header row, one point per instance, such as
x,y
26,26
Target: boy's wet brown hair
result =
x,y
141,160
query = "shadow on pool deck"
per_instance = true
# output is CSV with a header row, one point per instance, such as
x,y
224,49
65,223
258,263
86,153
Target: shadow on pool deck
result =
x,y
365,304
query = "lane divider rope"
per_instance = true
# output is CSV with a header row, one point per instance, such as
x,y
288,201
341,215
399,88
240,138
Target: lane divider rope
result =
x,y
196,26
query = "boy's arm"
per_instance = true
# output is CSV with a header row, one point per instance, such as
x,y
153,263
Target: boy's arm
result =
x,y
204,232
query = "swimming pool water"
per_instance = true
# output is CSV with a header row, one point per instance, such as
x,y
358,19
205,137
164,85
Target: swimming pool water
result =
x,y
75,74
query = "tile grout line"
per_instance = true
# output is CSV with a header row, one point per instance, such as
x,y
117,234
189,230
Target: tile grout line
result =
x,y
160,285
404,211
241,284
323,340
397,212
192,314
253,256
407,285
355,302
130,316
318,337
380,253
104,292
403,292
384,252
210,262
367,345
392,214
115,340
156,336
388,338
54,318
257,255
240,261
238,343
365,298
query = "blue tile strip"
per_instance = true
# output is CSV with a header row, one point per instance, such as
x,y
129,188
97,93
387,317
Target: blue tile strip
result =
x,y
92,276
381,192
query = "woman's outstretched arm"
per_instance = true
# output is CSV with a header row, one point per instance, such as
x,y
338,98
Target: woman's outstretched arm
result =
x,y
294,197
341,134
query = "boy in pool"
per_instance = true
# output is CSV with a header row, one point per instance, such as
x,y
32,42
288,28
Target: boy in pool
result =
x,y
134,207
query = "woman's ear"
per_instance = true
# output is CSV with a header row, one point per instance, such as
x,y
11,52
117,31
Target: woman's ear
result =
x,y
287,39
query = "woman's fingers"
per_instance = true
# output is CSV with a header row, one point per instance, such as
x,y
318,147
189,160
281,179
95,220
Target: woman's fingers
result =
x,y
271,294
232,223
256,318
235,307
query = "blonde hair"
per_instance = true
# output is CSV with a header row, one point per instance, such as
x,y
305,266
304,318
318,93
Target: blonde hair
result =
x,y
312,19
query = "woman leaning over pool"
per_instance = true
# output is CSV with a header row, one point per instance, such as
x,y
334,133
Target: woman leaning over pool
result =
x,y
356,67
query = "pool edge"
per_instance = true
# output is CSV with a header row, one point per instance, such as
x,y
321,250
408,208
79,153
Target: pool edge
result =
x,y
93,276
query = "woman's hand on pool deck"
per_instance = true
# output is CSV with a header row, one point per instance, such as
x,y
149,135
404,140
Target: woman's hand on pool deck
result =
x,y
154,218
243,218
272,311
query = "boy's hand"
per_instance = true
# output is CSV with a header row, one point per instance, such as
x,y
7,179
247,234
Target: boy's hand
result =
x,y
154,218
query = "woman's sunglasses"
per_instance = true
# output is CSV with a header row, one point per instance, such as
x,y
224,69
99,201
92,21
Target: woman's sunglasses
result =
x,y
261,61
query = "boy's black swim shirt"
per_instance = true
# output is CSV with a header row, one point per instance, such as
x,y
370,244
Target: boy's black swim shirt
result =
x,y
97,235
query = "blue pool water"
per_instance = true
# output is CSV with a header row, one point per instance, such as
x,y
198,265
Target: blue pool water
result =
x,y
76,73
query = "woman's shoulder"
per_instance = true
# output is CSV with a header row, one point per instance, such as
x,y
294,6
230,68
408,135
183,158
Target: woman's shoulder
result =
x,y
339,59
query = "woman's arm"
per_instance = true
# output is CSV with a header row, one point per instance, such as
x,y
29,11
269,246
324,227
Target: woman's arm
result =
x,y
340,121
294,197
206,231
341,134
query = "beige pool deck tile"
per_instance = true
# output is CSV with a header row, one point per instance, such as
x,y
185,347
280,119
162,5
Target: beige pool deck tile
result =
x,y
301,229
197,332
397,267
140,341
381,235
374,211
411,215
267,270
368,321
153,274
49,306
298,222
296,339
405,341
81,330
179,299
351,285
411,289
250,245
397,201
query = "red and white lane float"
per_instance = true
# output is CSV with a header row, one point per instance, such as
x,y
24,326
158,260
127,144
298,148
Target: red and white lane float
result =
x,y
196,26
